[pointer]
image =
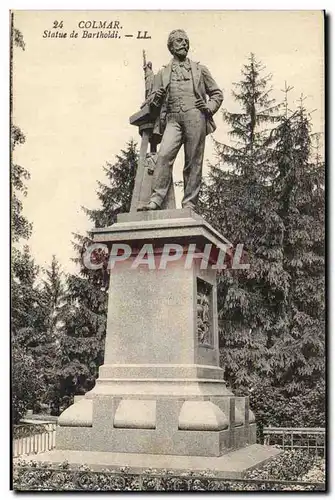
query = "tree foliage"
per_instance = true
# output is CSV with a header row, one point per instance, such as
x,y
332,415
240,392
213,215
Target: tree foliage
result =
x,y
26,383
86,306
267,191
299,191
21,228
47,352
237,201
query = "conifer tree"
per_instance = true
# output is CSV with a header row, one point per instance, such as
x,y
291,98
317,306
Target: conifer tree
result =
x,y
48,352
268,193
294,395
299,187
237,202
86,308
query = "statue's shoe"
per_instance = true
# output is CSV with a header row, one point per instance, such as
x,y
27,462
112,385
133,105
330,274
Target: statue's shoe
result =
x,y
189,205
150,206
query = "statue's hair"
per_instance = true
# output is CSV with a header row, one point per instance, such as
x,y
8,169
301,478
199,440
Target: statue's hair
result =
x,y
174,35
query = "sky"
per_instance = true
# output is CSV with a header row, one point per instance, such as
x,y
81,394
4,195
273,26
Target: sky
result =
x,y
72,97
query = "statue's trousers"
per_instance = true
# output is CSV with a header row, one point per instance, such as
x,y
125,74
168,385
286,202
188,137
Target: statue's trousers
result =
x,y
188,128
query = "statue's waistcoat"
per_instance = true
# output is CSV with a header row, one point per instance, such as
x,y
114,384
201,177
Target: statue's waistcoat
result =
x,y
181,94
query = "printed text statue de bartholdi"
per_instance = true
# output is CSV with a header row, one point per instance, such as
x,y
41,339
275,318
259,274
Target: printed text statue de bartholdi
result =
x,y
185,117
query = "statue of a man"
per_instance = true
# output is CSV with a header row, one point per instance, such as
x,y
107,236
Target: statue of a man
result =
x,y
179,97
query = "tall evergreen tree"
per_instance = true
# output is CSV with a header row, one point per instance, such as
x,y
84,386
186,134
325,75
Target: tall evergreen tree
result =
x,y
53,293
237,201
267,192
299,189
295,393
86,309
48,352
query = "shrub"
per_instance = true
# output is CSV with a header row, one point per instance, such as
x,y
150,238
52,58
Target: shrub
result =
x,y
273,407
26,383
26,430
290,465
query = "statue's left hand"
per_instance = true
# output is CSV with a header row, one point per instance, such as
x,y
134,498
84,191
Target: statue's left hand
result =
x,y
200,104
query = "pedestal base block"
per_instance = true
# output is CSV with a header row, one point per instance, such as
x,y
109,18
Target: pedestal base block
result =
x,y
210,426
232,465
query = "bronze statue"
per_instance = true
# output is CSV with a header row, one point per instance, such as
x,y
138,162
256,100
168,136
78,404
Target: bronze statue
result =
x,y
184,117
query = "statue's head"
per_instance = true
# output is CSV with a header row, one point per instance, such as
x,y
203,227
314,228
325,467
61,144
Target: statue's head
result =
x,y
178,43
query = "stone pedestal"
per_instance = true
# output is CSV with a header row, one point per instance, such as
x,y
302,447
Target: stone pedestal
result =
x,y
160,390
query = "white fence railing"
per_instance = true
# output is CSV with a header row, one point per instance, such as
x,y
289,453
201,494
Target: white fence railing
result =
x,y
43,438
310,439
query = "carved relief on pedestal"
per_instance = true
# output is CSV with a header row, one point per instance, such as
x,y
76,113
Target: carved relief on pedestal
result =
x,y
204,313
